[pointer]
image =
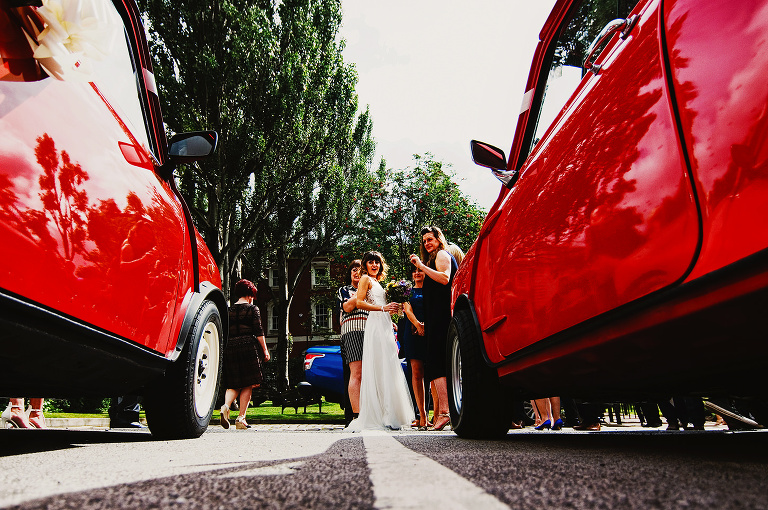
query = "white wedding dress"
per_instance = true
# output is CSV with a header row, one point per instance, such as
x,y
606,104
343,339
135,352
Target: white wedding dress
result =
x,y
385,401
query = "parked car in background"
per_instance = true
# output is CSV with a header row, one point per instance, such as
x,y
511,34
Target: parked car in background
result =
x,y
106,287
626,254
324,370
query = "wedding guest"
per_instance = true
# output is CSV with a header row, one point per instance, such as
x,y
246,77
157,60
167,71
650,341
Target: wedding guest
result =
x,y
549,413
385,401
439,267
18,418
457,253
352,334
416,344
243,354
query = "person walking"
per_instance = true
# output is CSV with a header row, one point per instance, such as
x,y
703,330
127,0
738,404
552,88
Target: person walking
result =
x,y
439,267
243,354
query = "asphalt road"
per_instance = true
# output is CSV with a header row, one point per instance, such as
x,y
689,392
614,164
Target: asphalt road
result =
x,y
324,467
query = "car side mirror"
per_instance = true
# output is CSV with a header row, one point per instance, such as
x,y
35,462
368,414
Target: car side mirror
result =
x,y
188,148
487,155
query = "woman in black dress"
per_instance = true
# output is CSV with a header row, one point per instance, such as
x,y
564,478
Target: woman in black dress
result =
x,y
243,354
439,267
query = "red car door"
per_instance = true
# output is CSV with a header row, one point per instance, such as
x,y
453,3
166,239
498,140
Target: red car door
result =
x,y
603,212
88,228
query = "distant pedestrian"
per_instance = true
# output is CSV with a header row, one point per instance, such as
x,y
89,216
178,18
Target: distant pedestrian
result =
x,y
243,355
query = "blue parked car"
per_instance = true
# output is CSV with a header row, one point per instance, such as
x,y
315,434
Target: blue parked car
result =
x,y
324,371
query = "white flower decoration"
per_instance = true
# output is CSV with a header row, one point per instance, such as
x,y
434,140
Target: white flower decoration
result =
x,y
76,32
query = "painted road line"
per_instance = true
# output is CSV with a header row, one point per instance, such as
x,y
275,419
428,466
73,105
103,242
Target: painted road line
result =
x,y
395,468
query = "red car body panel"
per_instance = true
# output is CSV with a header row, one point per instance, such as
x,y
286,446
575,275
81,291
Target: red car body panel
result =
x,y
720,74
634,213
88,227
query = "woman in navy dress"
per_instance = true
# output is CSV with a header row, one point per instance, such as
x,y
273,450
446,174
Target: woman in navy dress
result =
x,y
439,267
415,344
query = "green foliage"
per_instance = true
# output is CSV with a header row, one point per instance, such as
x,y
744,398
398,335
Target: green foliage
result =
x,y
76,405
398,203
269,76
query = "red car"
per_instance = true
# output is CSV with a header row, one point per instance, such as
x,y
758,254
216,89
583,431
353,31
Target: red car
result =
x,y
106,288
626,254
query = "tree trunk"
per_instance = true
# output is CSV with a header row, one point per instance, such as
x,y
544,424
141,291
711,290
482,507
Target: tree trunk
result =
x,y
281,356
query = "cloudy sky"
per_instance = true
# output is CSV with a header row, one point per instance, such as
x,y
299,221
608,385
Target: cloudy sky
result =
x,y
437,74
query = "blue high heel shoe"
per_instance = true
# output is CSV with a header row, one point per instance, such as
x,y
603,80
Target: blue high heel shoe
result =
x,y
558,424
547,424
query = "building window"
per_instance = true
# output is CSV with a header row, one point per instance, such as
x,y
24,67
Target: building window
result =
x,y
322,316
321,274
273,278
273,319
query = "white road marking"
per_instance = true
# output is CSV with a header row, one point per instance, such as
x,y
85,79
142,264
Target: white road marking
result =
x,y
402,479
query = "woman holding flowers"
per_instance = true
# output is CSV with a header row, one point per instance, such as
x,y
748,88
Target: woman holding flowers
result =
x,y
385,401
439,268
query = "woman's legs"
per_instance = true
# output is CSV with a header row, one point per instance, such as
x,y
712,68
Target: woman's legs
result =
x,y
443,416
245,400
542,404
36,417
18,417
554,405
417,378
355,376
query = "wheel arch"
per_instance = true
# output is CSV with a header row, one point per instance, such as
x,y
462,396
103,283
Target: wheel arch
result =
x,y
464,302
211,292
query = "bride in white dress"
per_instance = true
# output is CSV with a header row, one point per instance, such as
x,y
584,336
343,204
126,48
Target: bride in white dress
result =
x,y
385,401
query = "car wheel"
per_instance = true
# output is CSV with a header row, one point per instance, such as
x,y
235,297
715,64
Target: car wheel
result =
x,y
478,403
180,405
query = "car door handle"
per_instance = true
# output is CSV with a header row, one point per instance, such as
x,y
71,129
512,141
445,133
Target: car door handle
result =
x,y
623,25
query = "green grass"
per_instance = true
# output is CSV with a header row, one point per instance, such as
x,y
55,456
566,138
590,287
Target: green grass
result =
x,y
265,413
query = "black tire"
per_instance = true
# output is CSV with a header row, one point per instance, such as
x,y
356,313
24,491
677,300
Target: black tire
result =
x,y
180,404
479,405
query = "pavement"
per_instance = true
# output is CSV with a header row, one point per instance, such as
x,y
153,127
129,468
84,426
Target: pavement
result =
x,y
628,424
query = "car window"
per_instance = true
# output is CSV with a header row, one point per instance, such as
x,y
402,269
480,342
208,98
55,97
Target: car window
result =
x,y
115,77
78,42
567,54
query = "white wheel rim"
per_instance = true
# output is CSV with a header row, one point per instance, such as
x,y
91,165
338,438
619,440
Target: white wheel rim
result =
x,y
206,369
456,374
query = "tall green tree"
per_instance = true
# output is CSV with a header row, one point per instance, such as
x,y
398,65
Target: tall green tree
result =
x,y
269,76
401,202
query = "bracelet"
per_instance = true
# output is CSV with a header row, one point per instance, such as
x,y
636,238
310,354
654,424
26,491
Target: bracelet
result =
x,y
382,308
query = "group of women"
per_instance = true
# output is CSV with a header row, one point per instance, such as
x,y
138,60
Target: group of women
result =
x,y
378,390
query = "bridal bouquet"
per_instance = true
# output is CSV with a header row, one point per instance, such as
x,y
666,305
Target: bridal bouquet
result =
x,y
398,292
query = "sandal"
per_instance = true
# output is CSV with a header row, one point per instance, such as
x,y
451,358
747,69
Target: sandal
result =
x,y
224,416
442,425
37,419
241,424
15,421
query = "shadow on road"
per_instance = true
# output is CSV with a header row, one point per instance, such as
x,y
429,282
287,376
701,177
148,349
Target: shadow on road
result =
x,y
18,442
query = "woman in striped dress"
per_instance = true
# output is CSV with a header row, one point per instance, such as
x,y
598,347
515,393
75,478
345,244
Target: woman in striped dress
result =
x,y
352,333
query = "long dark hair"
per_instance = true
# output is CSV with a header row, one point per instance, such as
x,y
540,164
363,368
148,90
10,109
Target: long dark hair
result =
x,y
378,257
